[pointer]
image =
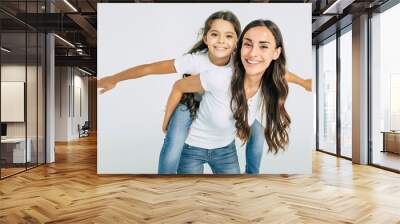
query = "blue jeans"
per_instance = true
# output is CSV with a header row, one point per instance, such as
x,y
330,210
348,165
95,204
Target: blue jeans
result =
x,y
178,129
221,160
255,148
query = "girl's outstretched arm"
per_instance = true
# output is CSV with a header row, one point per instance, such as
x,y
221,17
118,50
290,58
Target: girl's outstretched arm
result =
x,y
190,84
293,78
160,67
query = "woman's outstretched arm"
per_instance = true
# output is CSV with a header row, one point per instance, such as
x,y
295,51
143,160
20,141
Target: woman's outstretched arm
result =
x,y
160,67
190,84
293,78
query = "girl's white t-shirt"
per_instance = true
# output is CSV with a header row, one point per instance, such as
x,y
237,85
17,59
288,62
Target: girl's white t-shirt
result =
x,y
196,63
214,126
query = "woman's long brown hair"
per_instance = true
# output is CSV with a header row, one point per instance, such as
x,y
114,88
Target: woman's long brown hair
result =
x,y
189,98
274,91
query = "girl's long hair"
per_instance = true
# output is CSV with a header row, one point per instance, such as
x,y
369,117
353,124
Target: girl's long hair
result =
x,y
274,91
188,98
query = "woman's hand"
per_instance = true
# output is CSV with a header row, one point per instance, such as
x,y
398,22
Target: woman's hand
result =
x,y
106,84
308,85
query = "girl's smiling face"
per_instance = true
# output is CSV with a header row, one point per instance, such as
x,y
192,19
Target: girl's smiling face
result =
x,y
258,50
221,41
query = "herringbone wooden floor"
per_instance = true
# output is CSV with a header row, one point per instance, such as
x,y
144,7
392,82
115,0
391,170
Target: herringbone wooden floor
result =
x,y
70,191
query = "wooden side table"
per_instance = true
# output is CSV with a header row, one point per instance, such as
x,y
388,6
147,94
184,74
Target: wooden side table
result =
x,y
391,141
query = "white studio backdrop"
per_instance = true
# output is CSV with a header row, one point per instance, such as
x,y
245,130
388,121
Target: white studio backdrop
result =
x,y
130,116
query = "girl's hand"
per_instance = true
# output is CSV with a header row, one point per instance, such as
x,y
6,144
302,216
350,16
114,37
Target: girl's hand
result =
x,y
106,84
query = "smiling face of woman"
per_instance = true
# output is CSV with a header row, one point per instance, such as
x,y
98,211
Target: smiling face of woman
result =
x,y
258,50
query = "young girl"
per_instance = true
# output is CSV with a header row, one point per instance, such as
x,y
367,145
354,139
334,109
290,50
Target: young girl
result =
x,y
231,101
213,51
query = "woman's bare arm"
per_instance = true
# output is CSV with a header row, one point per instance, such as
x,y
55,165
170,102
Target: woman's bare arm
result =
x,y
293,78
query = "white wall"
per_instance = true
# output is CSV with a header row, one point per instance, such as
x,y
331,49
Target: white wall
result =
x,y
68,83
16,73
61,103
34,124
130,116
12,73
80,103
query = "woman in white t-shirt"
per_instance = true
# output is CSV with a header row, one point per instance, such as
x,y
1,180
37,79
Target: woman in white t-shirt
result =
x,y
231,102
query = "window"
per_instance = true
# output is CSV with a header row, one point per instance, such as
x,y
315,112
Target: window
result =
x,y
327,96
346,93
385,89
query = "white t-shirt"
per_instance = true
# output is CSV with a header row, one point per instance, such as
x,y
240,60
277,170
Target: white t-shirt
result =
x,y
195,63
214,126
